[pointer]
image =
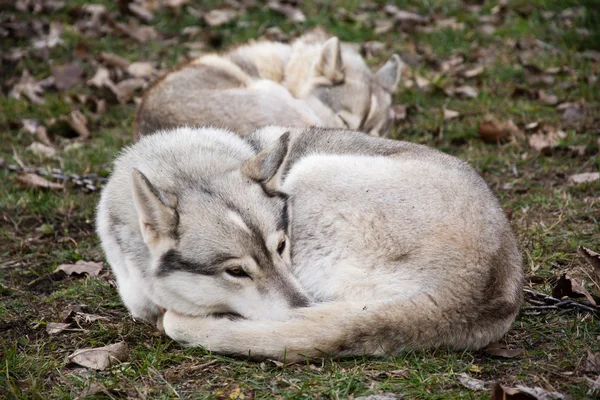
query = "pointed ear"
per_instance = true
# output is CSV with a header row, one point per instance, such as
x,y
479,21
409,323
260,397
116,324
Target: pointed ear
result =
x,y
389,75
329,65
155,208
264,166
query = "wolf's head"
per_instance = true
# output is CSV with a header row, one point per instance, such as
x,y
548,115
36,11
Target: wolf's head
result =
x,y
217,243
340,88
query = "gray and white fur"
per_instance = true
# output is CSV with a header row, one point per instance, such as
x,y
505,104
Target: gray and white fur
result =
x,y
393,245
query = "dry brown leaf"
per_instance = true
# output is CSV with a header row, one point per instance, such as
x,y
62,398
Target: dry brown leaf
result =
x,y
450,114
52,39
29,87
219,17
100,358
78,122
36,181
471,383
550,99
567,287
399,111
592,362
473,72
140,12
500,350
405,20
35,128
81,267
373,48
102,80
291,12
56,327
66,76
546,142
493,131
578,150
141,69
584,177
592,258
41,149
532,126
383,25
465,92
128,87
501,392
422,83
113,60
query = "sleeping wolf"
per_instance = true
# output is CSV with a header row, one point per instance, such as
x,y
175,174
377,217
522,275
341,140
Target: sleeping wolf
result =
x,y
323,242
314,82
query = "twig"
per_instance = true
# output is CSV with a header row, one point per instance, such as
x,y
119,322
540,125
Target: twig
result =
x,y
543,301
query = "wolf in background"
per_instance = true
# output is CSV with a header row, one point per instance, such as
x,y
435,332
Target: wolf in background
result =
x,y
313,82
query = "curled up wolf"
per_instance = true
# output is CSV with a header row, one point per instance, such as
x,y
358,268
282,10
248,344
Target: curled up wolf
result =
x,y
294,242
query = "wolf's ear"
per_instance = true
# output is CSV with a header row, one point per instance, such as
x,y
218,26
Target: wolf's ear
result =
x,y
329,65
389,75
264,166
156,208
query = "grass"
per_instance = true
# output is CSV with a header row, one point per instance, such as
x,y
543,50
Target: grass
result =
x,y
40,230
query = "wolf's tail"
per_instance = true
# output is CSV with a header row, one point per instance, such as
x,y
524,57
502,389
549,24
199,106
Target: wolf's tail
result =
x,y
354,329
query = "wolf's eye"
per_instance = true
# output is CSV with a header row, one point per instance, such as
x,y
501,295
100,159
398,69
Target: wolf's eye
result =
x,y
237,272
281,247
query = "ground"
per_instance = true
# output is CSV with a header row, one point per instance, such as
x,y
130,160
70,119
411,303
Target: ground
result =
x,y
472,68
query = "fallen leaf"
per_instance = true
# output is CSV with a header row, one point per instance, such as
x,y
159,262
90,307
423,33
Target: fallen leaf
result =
x,y
219,17
291,12
399,111
550,99
100,358
113,60
66,76
373,48
42,150
140,12
592,258
545,142
578,150
35,128
501,392
463,91
29,87
493,131
52,39
450,114
56,327
592,362
383,25
379,396
36,181
532,126
473,72
78,122
500,350
594,385
567,287
405,20
584,177
81,267
140,69
471,383
127,87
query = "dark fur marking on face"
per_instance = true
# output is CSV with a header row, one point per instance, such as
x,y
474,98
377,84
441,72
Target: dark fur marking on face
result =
x,y
172,260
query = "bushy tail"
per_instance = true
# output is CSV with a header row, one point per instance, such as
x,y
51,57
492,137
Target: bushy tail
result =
x,y
352,329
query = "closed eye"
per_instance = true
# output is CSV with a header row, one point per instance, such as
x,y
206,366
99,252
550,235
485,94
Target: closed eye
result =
x,y
344,121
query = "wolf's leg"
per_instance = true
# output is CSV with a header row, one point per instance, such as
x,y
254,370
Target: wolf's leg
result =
x,y
346,329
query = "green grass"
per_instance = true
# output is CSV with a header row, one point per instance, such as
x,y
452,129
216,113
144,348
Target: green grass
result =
x,y
40,230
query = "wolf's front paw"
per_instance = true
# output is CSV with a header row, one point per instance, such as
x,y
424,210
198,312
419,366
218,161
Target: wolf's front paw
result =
x,y
190,331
